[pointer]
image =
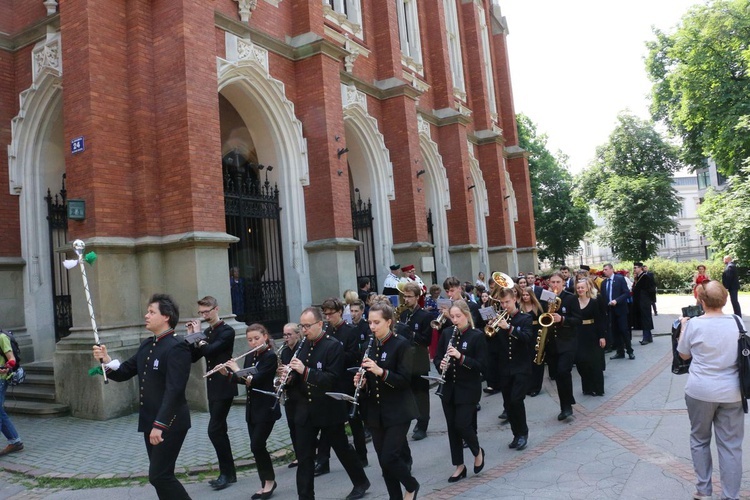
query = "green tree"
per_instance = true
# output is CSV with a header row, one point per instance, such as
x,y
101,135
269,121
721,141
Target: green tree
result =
x,y
561,220
725,218
701,83
630,186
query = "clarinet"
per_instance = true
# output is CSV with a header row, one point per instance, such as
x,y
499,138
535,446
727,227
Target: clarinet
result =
x,y
280,390
448,360
361,373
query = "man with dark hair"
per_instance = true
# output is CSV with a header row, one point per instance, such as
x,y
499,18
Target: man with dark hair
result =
x,y
164,362
562,336
319,369
359,324
418,331
455,291
643,290
731,281
364,288
616,292
217,349
338,329
568,281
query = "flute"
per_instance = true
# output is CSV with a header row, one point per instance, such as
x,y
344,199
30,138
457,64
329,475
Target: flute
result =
x,y
224,365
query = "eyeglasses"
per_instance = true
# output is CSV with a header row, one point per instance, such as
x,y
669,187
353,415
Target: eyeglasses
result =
x,y
207,311
307,327
287,334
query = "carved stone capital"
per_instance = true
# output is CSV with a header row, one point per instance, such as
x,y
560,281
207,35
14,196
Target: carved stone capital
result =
x,y
51,6
246,8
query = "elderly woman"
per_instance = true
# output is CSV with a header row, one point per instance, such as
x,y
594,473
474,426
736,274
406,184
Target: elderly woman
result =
x,y
712,392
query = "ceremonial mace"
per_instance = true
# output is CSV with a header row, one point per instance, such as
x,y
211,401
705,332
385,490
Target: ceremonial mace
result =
x,y
79,246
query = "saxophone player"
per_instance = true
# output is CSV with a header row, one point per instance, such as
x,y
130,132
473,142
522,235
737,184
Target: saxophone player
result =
x,y
564,345
516,339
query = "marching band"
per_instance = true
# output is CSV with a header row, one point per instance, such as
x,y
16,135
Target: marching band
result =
x,y
374,373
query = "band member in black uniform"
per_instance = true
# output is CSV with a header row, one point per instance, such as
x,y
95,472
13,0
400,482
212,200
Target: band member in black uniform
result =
x,y
319,369
516,341
461,358
164,418
563,334
261,410
419,332
530,305
455,291
388,400
292,337
217,349
338,329
359,323
591,334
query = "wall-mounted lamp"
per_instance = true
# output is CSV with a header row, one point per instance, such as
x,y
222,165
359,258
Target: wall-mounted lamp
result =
x,y
420,172
341,152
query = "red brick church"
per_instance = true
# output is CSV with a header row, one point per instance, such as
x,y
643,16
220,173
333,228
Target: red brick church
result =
x,y
305,143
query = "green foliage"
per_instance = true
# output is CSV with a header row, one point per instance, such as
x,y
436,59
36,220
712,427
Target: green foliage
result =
x,y
630,186
676,276
701,82
725,217
561,220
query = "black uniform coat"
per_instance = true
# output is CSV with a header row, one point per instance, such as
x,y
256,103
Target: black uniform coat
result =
x,y
463,380
324,361
349,340
260,407
517,345
420,336
362,329
218,350
388,399
644,289
162,365
564,333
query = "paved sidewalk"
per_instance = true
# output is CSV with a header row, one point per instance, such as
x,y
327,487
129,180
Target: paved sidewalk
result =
x,y
632,444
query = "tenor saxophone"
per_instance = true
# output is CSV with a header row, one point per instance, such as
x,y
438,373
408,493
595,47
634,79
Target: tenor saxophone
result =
x,y
545,320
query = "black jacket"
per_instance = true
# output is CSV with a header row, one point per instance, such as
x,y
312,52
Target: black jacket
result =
x,y
564,332
388,400
517,345
463,381
730,278
164,363
218,350
260,407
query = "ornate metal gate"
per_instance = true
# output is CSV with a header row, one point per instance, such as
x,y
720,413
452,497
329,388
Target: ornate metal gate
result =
x,y
252,214
364,256
430,229
57,219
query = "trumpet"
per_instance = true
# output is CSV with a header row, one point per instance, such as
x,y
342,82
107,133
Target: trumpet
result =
x,y
224,365
438,322
494,325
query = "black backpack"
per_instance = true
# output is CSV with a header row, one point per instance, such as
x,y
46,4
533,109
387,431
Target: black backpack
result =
x,y
14,346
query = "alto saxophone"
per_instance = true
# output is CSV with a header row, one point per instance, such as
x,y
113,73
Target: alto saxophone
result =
x,y
545,320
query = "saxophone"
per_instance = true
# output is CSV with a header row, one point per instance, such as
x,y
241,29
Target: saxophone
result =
x,y
545,320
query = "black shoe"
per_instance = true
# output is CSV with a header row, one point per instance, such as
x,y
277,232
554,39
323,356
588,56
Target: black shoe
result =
x,y
257,496
223,481
268,494
533,394
608,350
631,356
617,356
368,435
322,468
514,444
645,342
363,461
491,392
565,414
478,468
503,415
293,464
522,442
455,479
416,490
479,407
358,491
419,434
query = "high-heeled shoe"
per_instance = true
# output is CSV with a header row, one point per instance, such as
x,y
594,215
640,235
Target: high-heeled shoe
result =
x,y
414,493
455,479
268,494
478,468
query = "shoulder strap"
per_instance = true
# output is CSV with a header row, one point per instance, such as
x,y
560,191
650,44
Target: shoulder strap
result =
x,y
740,324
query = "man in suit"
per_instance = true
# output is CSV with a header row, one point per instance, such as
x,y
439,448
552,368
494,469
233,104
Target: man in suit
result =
x,y
643,290
616,293
418,332
562,336
318,369
531,281
217,349
164,418
653,295
568,281
731,281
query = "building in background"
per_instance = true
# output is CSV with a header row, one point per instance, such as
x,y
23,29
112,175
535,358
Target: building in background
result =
x,y
305,143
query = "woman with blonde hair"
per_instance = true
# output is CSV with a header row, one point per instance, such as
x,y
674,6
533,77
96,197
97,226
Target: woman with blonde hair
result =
x,y
591,338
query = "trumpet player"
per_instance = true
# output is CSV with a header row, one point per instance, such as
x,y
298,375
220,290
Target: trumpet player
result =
x,y
260,411
388,400
217,349
419,334
516,339
563,337
292,337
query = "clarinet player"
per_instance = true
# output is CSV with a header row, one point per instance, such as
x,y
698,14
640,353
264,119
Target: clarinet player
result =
x,y
460,357
388,400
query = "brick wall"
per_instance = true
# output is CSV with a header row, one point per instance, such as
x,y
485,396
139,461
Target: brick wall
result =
x,y
10,243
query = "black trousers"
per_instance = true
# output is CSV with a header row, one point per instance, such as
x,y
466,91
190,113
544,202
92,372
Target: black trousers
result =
x,y
258,438
514,388
590,366
621,334
307,434
461,421
421,389
217,433
563,365
290,409
162,459
735,302
358,437
389,444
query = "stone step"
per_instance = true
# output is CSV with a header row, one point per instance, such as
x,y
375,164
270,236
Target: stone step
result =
x,y
40,367
31,392
39,379
36,408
